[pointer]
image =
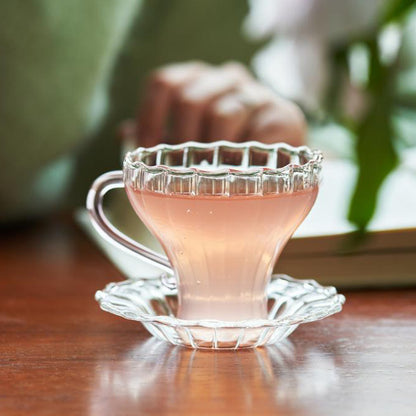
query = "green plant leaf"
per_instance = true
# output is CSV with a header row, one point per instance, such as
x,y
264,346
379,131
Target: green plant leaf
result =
x,y
397,9
376,158
376,154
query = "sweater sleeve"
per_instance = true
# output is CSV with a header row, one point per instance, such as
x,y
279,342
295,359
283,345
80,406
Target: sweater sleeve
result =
x,y
55,67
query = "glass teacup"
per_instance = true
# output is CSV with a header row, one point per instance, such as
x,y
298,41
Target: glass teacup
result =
x,y
222,212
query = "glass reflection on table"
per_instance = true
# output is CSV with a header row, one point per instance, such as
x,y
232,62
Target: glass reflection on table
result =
x,y
155,375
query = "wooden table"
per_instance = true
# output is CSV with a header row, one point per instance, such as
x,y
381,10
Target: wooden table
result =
x,y
61,355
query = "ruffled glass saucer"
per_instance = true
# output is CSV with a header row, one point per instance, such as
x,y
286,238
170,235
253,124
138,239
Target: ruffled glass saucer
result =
x,y
291,302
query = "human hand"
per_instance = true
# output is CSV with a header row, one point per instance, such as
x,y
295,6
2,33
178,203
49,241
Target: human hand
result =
x,y
197,101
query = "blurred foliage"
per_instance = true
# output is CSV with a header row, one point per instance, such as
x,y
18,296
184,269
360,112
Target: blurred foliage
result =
x,y
377,138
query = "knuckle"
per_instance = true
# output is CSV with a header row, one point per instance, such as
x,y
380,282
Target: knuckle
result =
x,y
237,69
227,107
158,78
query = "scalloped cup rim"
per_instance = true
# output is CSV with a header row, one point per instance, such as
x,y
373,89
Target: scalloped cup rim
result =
x,y
315,156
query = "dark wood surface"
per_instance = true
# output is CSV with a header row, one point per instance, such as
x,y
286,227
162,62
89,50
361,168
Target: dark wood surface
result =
x,y
61,355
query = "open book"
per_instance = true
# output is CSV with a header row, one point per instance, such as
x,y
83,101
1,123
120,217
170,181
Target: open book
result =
x,y
387,256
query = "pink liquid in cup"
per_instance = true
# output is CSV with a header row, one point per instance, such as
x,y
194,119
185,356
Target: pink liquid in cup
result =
x,y
222,248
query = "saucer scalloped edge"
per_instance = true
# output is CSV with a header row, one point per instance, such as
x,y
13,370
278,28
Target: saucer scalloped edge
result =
x,y
291,302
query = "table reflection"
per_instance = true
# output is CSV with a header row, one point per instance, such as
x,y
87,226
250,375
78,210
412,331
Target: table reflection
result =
x,y
155,375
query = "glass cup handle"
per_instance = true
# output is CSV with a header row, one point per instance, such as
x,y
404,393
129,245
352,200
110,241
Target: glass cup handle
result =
x,y
103,184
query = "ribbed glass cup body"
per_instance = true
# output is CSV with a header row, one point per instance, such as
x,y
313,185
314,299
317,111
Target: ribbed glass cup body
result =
x,y
223,212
